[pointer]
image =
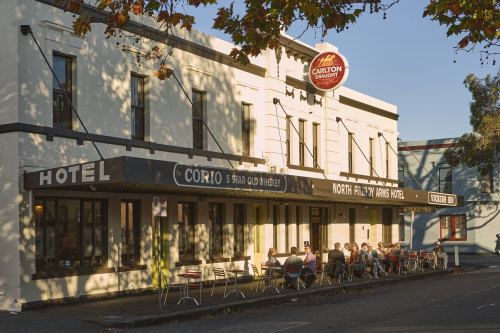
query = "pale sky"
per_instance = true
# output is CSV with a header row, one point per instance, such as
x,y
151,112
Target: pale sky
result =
x,y
405,60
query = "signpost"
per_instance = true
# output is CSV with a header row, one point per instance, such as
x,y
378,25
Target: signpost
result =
x,y
159,211
411,229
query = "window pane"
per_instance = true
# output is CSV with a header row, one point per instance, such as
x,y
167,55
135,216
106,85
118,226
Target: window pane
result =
x,y
197,115
288,138
245,129
445,180
446,227
215,221
69,232
88,226
61,110
137,107
301,143
239,229
460,227
186,229
39,232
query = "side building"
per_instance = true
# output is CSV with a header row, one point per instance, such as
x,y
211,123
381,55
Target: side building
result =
x,y
474,225
213,167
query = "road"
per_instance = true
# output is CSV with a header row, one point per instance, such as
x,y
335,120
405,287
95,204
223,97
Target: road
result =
x,y
463,302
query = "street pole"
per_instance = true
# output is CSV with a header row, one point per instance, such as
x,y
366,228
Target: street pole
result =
x,y
411,229
158,232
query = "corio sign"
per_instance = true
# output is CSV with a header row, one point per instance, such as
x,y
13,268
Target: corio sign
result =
x,y
328,71
203,176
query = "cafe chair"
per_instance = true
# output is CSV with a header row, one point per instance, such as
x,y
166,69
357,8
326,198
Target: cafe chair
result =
x,y
167,286
220,278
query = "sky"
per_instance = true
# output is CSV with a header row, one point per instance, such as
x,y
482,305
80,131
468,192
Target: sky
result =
x,y
405,60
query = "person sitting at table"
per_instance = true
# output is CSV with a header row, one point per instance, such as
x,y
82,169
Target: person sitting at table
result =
x,y
381,250
356,258
308,275
440,254
346,251
292,279
272,260
336,260
372,260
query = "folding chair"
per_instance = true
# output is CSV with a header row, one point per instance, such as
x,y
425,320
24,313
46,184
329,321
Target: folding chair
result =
x,y
167,286
198,283
220,278
320,268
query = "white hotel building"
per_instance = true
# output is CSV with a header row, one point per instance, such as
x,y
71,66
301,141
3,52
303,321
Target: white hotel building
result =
x,y
74,225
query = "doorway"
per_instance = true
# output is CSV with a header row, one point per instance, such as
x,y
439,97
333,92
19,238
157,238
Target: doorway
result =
x,y
318,225
352,225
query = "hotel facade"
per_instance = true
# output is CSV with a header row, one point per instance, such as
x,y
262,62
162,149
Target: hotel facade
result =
x,y
210,171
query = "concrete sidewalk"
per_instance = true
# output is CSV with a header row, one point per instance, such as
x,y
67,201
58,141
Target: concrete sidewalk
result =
x,y
143,310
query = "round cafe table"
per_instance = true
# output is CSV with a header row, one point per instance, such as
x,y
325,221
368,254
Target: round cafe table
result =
x,y
272,284
235,290
187,277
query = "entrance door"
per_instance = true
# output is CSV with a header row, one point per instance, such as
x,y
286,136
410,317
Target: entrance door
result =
x,y
257,235
387,225
352,225
318,229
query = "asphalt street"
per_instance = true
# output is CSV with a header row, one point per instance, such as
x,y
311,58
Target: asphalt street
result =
x,y
463,302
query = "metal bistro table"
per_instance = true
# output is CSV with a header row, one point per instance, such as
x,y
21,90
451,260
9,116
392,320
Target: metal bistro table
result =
x,y
187,277
271,269
235,290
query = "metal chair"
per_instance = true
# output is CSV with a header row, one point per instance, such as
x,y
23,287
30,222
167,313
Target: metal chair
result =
x,y
198,283
320,268
259,277
292,271
220,278
167,286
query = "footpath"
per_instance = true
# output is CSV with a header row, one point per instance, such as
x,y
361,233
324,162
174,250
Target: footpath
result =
x,y
143,310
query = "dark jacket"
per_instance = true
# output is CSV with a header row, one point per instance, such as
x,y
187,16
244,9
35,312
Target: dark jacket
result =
x,y
337,257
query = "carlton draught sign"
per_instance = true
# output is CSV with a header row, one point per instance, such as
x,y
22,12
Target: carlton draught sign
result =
x,y
328,71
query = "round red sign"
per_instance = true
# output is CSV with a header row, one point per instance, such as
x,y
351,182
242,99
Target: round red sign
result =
x,y
328,71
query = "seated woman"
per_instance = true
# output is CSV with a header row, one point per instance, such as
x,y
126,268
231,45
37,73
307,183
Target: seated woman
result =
x,y
356,260
346,251
272,260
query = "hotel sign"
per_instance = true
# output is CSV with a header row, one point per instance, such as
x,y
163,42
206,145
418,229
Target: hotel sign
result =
x,y
328,71
86,173
209,177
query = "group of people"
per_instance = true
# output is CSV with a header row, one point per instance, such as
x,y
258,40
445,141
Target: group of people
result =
x,y
346,259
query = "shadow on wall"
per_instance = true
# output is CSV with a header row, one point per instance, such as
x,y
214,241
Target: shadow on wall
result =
x,y
102,99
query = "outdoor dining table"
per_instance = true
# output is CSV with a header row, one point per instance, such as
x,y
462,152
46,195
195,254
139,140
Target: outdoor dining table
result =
x,y
235,290
272,284
187,277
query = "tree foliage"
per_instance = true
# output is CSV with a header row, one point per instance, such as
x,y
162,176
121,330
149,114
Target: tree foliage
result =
x,y
260,24
481,148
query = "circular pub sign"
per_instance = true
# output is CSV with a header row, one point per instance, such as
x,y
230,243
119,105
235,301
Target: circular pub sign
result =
x,y
328,71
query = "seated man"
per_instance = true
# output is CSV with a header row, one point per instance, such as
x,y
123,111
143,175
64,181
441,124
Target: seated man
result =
x,y
308,275
293,260
336,259
357,258
440,254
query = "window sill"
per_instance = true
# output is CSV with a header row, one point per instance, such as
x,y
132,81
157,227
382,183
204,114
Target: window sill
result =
x,y
129,268
240,258
52,274
453,240
217,260
304,168
188,262
369,178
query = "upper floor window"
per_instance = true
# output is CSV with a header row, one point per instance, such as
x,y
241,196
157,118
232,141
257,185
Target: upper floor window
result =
x,y
245,129
350,152
445,180
61,109
302,124
288,140
401,176
137,107
453,227
131,226
387,159
315,151
371,152
486,181
198,117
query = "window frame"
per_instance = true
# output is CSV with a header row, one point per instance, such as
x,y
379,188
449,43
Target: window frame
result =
x,y
453,227
371,155
216,248
246,129
58,95
239,218
130,259
190,235
302,143
59,263
447,180
288,140
137,123
401,176
316,141
387,160
486,184
198,117
350,152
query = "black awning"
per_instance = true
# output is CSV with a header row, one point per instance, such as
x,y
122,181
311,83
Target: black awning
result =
x,y
140,175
